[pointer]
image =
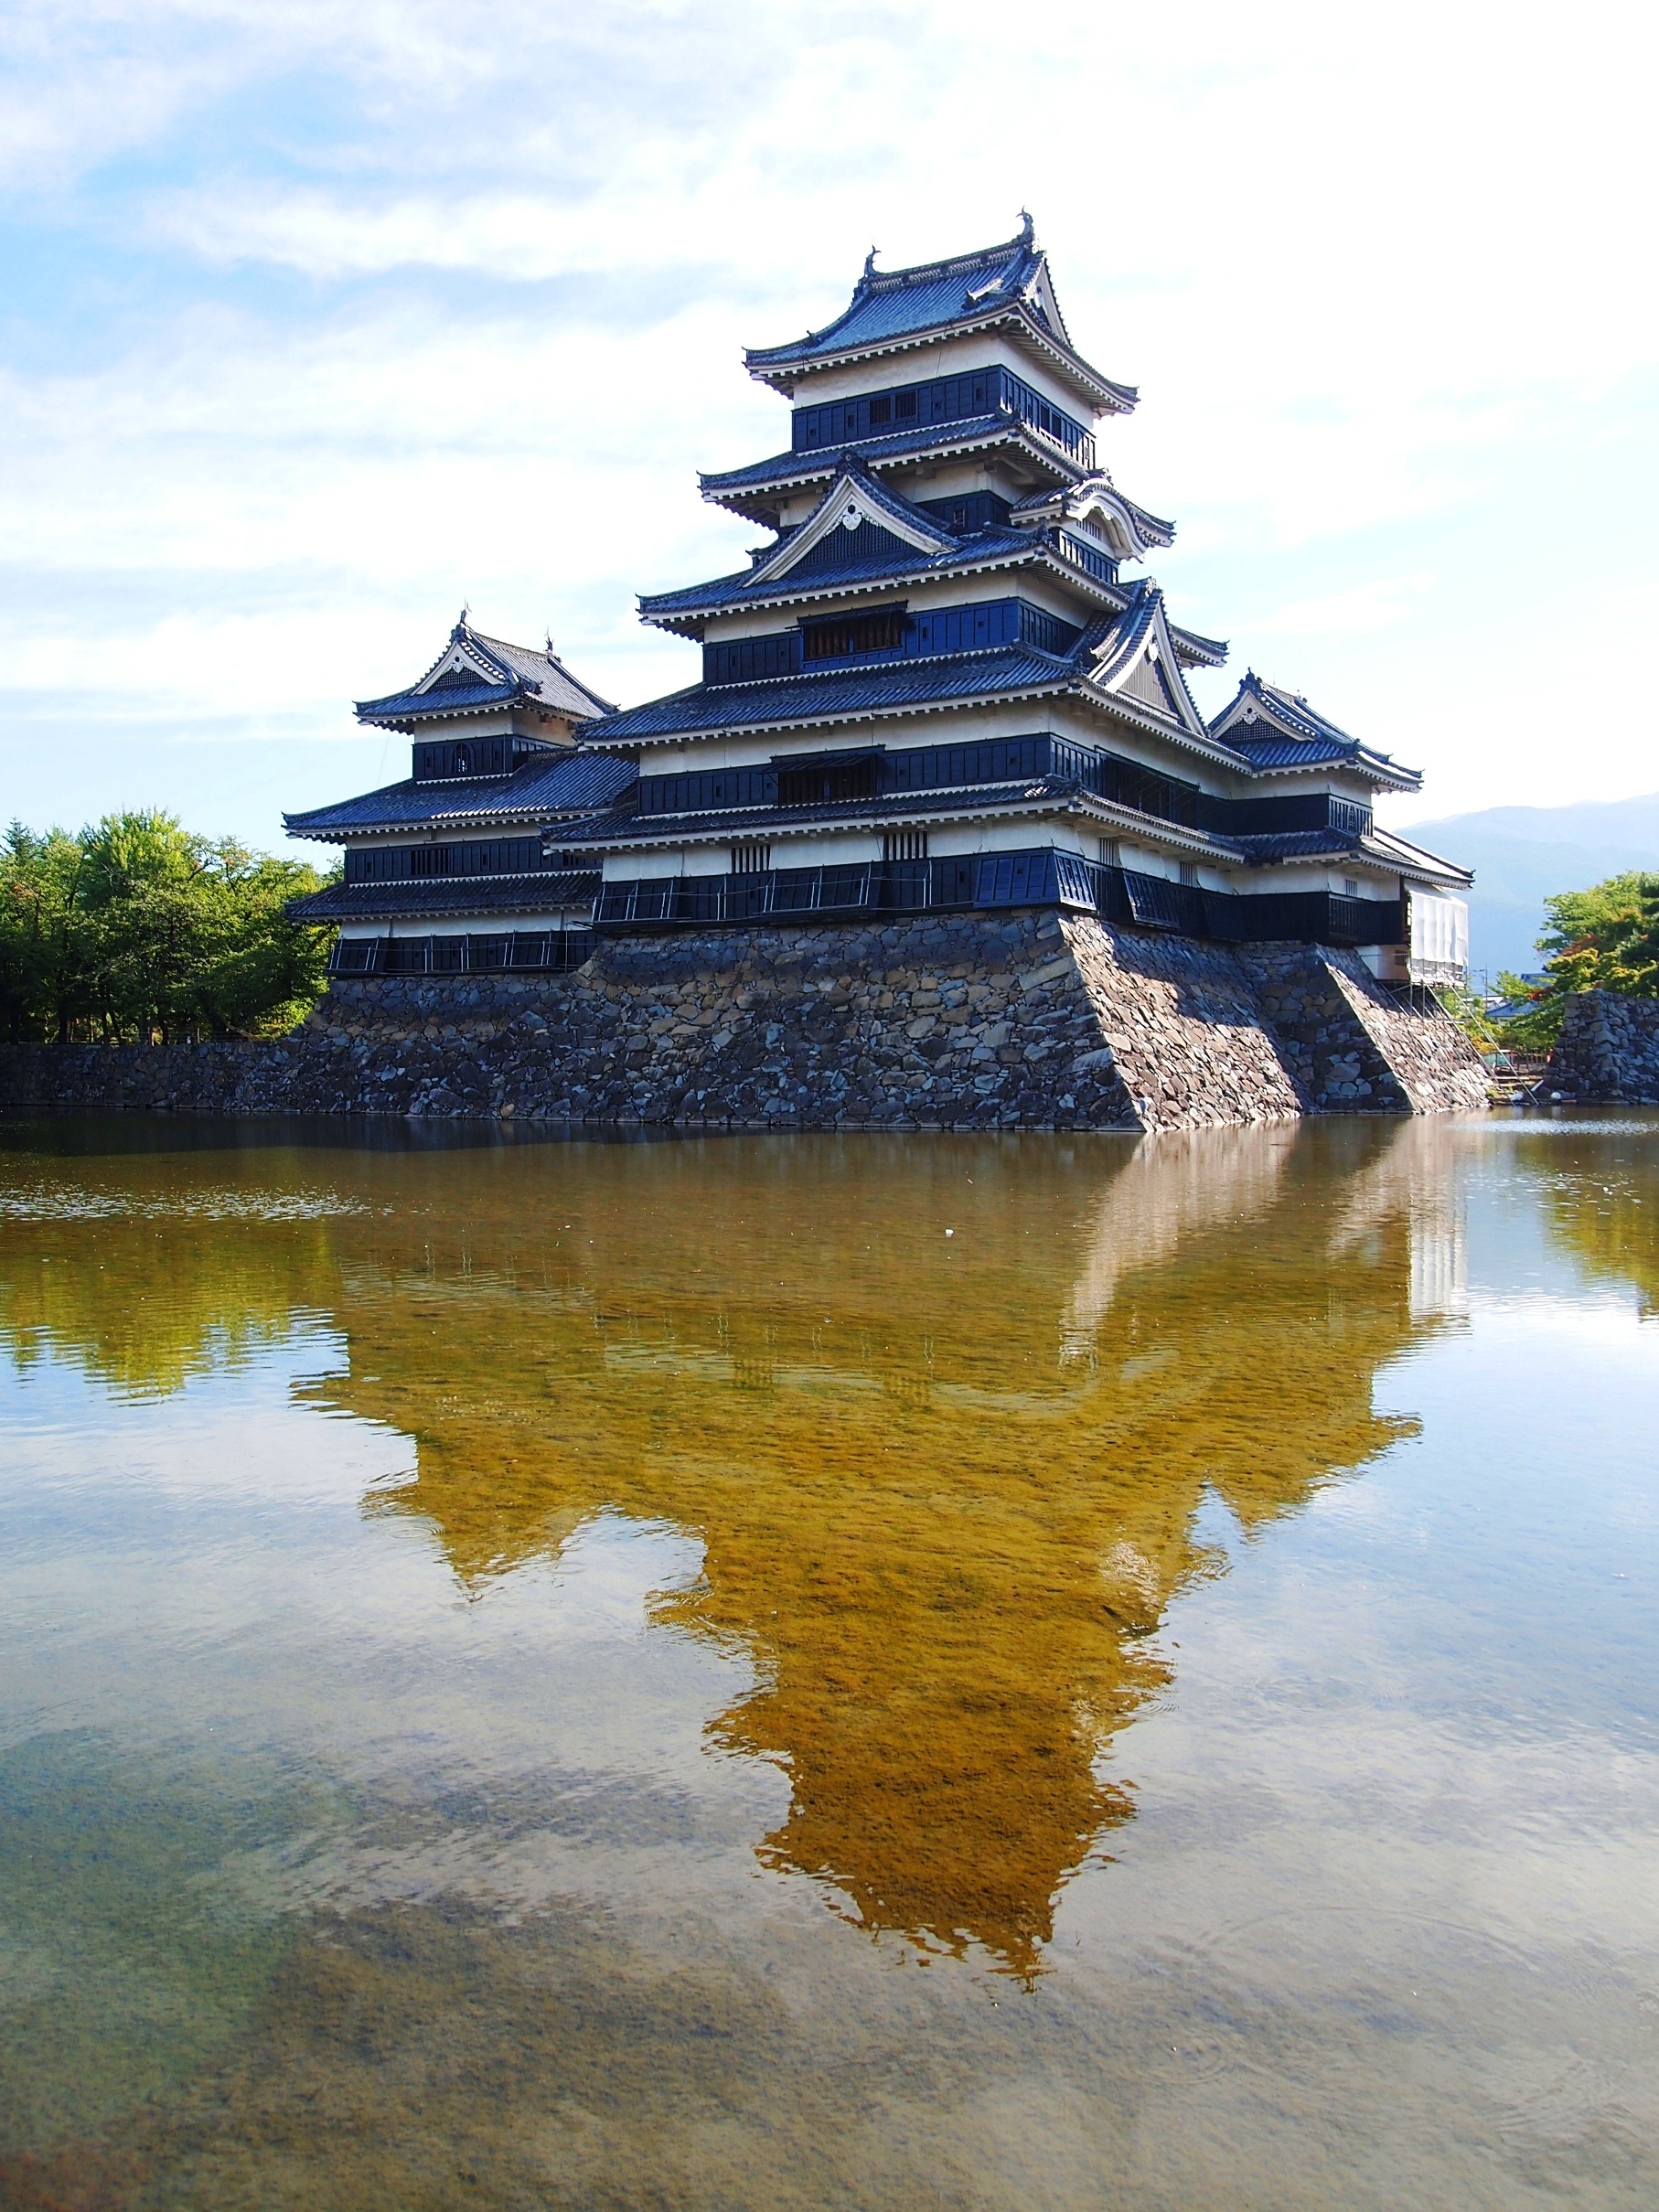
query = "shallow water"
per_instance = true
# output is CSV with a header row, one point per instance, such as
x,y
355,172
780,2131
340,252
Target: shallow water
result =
x,y
1021,1671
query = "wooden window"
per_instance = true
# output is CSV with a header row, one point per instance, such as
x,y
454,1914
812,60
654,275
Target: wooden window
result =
x,y
1188,872
753,857
905,845
880,631
1111,853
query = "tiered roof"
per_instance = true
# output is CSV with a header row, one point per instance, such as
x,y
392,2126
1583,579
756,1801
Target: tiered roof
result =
x,y
1006,287
756,491
1128,658
480,675
1275,727
550,784
546,890
905,545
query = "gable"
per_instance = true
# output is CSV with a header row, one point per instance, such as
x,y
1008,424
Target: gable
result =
x,y
851,544
459,676
1147,683
459,667
852,511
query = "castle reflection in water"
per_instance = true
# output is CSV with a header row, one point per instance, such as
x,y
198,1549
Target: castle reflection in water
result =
x,y
941,1415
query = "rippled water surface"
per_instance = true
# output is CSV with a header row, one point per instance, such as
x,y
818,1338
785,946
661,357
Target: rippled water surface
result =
x,y
793,1672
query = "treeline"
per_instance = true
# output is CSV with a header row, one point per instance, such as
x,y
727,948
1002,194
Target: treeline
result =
x,y
1605,938
137,931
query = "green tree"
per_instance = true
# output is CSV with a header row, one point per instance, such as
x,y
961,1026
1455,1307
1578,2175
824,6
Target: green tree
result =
x,y
1605,938
139,930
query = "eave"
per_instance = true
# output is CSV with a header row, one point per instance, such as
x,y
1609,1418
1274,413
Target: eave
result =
x,y
693,623
1408,860
896,811
1068,367
756,501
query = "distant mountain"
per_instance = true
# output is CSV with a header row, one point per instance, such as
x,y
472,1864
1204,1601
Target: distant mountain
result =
x,y
1521,855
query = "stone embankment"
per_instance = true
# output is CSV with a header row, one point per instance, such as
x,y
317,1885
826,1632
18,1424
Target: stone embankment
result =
x,y
1608,1052
1028,1020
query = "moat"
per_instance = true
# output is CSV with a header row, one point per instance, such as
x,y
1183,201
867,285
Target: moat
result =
x,y
961,1670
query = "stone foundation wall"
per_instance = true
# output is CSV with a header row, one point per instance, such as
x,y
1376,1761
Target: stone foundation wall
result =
x,y
1608,1052
1024,1021
1352,1046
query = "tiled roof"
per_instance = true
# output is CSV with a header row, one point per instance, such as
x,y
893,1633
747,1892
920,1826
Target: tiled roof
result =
x,y
1284,732
833,693
572,782
1210,650
947,799
1267,753
450,895
888,306
1297,844
1286,752
1294,711
1399,852
520,672
746,584
790,467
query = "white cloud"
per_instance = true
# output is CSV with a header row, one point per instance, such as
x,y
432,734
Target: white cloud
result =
x,y
1378,606
423,301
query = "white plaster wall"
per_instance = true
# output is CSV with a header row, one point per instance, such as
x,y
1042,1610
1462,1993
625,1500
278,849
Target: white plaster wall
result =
x,y
469,925
664,860
844,849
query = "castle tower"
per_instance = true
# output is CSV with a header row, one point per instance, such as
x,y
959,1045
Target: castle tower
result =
x,y
945,682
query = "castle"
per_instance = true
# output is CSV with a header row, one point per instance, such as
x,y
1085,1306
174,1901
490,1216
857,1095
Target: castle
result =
x,y
944,684
941,836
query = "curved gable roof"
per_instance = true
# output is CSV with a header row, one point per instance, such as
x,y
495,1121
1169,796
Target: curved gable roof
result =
x,y
474,672
970,291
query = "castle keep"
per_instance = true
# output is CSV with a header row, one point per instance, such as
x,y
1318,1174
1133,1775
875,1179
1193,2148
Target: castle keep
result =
x,y
942,685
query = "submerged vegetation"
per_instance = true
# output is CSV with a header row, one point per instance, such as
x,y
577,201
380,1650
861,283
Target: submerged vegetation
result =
x,y
138,931
1605,938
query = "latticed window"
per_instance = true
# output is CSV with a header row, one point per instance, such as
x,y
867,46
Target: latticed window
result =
x,y
1111,853
880,631
1188,872
752,858
905,845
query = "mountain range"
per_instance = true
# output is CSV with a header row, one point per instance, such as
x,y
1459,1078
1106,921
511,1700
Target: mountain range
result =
x,y
1521,855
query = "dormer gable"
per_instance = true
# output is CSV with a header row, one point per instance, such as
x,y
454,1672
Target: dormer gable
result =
x,y
857,520
1138,662
1096,508
1260,710
1277,731
478,677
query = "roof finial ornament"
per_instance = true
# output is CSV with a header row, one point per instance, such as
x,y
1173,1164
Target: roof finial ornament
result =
x,y
870,264
1028,229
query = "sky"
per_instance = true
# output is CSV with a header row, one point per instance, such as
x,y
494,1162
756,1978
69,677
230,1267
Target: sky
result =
x,y
318,322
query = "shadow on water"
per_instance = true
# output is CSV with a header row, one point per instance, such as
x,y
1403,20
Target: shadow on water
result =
x,y
941,1416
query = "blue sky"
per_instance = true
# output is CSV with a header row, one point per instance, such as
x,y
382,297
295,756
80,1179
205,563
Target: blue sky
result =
x,y
318,321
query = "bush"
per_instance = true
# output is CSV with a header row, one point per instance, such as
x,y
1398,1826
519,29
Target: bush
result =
x,y
139,931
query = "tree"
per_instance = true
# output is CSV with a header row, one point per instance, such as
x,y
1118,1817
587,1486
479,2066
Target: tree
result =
x,y
1605,938
139,930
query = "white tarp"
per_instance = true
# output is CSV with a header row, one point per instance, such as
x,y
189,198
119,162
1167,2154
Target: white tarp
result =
x,y
1439,930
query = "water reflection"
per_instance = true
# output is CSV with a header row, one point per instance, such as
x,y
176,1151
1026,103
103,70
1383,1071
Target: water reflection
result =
x,y
940,1415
